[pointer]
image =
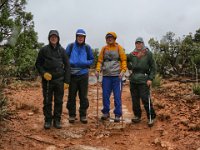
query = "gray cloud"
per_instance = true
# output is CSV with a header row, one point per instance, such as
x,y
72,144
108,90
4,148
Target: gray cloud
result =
x,y
128,18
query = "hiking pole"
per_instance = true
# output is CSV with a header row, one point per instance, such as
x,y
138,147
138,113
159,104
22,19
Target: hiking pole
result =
x,y
97,103
150,119
47,94
121,102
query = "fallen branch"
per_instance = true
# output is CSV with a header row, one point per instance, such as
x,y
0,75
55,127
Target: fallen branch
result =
x,y
184,81
39,139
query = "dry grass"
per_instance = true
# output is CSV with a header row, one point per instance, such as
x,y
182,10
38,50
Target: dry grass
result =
x,y
3,107
157,81
18,84
196,89
27,106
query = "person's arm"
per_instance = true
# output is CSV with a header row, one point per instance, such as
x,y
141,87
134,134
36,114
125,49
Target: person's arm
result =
x,y
100,60
90,59
123,59
68,51
39,62
66,67
129,63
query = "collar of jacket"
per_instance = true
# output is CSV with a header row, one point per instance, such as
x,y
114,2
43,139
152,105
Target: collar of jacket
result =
x,y
79,44
54,48
136,52
112,45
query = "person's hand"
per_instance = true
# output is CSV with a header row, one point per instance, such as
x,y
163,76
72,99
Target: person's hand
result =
x,y
149,82
47,76
121,74
97,74
66,86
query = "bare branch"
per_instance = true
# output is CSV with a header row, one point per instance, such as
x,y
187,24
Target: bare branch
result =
x,y
2,3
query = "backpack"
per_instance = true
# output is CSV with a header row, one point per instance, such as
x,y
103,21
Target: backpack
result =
x,y
86,47
117,51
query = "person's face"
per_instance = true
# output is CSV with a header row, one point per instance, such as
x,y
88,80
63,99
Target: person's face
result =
x,y
53,39
110,40
139,45
80,39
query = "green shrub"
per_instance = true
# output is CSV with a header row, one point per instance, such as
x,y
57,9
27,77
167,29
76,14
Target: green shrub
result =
x,y
3,107
196,89
157,81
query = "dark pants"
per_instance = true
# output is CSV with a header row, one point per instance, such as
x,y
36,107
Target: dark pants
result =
x,y
141,91
78,84
53,88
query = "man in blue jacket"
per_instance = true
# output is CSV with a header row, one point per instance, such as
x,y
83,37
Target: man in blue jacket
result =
x,y
81,58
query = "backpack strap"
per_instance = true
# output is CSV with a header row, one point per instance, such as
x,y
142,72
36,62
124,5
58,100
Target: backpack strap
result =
x,y
70,49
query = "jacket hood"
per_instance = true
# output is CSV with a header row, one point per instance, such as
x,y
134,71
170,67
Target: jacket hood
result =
x,y
54,32
80,32
113,34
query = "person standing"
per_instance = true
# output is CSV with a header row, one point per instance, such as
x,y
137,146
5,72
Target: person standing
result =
x,y
53,65
81,58
143,67
112,63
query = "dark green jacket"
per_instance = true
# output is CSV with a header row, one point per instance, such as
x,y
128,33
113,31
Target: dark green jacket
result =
x,y
143,68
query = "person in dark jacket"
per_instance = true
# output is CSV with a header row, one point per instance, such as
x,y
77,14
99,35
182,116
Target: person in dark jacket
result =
x,y
53,65
143,67
81,58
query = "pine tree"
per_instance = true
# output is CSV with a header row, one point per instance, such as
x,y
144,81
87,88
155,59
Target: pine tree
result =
x,y
18,39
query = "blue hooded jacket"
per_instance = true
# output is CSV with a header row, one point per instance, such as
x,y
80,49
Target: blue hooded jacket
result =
x,y
79,60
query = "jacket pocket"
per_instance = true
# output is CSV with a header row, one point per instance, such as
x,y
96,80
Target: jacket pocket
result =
x,y
139,77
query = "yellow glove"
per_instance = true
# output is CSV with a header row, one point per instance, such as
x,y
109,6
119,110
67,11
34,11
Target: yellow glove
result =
x,y
66,86
47,76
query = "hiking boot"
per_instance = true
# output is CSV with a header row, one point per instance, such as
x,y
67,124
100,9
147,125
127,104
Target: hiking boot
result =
x,y
151,122
47,125
83,120
57,124
136,119
117,119
72,119
105,116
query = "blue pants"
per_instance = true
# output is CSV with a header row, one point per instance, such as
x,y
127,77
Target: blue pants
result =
x,y
110,84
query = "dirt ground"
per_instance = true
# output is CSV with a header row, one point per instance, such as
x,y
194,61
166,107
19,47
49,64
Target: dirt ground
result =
x,y
177,125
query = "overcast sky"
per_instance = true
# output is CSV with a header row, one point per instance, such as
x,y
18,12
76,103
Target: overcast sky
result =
x,y
128,18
